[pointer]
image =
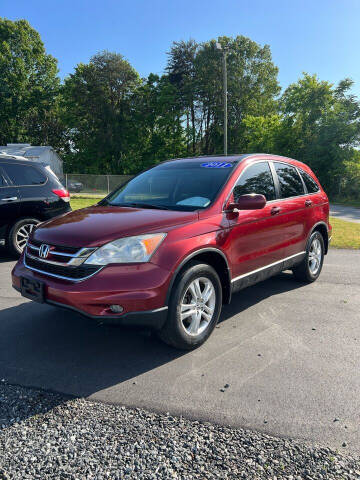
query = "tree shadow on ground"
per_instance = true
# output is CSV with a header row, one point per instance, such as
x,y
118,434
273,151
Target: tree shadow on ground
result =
x,y
241,301
62,351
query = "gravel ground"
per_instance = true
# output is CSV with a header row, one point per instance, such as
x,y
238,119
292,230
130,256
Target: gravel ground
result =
x,y
45,435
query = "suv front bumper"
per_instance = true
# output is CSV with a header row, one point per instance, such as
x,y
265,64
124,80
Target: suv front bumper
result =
x,y
140,289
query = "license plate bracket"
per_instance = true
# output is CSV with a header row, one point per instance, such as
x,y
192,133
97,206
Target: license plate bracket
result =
x,y
32,289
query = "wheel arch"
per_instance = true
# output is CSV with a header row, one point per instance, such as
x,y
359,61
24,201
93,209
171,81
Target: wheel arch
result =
x,y
216,259
10,225
322,228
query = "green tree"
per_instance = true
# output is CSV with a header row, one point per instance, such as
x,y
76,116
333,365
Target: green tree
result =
x,y
252,85
321,125
262,133
99,103
29,87
158,118
181,70
196,71
117,122
350,181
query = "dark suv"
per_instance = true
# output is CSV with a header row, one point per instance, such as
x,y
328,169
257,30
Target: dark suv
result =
x,y
29,194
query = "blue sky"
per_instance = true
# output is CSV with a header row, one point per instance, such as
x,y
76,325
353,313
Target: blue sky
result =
x,y
316,36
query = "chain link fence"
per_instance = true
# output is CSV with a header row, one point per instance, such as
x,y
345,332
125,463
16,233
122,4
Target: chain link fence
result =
x,y
97,185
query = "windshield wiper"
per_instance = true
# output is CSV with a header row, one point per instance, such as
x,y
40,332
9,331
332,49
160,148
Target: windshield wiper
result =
x,y
141,205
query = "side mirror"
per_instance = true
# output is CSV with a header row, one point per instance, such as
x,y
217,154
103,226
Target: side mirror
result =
x,y
252,201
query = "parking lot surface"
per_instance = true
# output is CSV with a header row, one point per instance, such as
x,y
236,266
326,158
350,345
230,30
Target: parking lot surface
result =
x,y
284,360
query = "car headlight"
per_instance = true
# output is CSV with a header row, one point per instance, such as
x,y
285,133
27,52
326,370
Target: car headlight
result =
x,y
127,250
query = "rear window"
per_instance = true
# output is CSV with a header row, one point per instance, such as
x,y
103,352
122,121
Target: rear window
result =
x,y
289,180
22,175
311,185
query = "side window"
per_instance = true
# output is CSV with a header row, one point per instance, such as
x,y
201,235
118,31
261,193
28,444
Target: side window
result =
x,y
2,179
24,174
289,180
256,179
311,185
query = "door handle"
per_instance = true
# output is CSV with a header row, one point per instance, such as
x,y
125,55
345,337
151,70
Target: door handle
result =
x,y
275,210
308,203
9,199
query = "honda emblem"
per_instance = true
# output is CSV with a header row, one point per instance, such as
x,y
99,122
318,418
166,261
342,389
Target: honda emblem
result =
x,y
44,250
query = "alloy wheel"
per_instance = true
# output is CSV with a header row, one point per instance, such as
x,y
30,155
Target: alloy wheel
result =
x,y
315,256
22,235
198,306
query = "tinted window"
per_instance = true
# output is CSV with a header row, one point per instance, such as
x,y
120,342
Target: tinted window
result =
x,y
178,185
311,185
2,180
24,174
256,179
289,180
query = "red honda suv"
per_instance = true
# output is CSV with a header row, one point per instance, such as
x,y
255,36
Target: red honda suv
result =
x,y
167,249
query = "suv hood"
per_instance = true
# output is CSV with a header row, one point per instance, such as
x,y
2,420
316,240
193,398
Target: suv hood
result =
x,y
95,226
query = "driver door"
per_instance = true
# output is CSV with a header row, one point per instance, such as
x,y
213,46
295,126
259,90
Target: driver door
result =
x,y
256,236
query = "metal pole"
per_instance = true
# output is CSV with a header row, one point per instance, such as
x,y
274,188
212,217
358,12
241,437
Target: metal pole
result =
x,y
225,100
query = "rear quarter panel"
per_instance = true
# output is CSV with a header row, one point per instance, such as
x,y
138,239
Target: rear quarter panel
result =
x,y
41,203
320,209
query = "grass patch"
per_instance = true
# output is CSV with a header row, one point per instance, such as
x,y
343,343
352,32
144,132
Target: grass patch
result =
x,y
83,202
345,234
88,195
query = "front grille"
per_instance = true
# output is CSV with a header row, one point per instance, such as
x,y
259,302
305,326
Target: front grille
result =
x,y
67,272
59,248
60,261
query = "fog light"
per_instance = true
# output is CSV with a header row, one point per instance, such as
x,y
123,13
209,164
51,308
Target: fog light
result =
x,y
116,308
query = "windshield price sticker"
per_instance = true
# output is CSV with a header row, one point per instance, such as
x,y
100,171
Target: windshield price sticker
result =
x,y
216,165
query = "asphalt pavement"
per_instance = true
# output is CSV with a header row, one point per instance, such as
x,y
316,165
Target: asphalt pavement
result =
x,y
344,212
284,359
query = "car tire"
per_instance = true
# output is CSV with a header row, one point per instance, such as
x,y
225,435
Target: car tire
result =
x,y
310,268
188,331
19,233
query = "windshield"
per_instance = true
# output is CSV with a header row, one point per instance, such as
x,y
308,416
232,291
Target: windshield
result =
x,y
178,185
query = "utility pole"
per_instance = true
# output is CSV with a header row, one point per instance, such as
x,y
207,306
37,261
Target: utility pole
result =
x,y
224,52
